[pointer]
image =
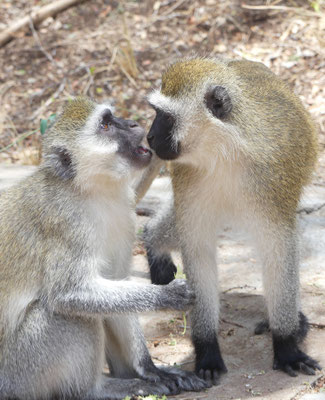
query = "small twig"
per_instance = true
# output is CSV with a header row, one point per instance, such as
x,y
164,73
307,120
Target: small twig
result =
x,y
90,80
7,86
186,362
19,139
38,41
128,76
49,100
174,7
232,323
49,10
158,359
238,287
319,326
235,23
185,324
298,10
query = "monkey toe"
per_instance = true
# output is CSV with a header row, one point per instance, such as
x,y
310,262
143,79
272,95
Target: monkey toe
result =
x,y
262,327
185,380
297,362
212,377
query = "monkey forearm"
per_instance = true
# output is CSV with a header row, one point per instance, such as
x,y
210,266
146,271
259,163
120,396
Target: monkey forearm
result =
x,y
106,297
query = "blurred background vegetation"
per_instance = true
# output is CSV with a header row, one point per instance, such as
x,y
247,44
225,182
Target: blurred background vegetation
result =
x,y
116,50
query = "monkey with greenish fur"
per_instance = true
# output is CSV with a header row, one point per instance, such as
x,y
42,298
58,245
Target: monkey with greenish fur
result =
x,y
242,147
66,236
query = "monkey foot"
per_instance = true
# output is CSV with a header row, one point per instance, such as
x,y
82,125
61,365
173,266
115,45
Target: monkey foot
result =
x,y
212,376
175,379
209,363
298,362
162,269
289,358
185,380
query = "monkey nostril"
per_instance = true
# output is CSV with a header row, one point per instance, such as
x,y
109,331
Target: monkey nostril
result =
x,y
134,124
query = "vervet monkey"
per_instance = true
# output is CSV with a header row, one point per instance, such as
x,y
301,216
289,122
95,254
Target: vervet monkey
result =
x,y
242,147
66,236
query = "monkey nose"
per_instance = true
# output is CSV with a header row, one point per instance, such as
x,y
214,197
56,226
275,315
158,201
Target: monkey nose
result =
x,y
133,124
150,139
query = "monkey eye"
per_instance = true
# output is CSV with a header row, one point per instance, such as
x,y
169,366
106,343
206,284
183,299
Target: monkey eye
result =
x,y
106,120
104,125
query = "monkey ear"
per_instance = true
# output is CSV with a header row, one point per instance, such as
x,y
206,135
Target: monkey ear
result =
x,y
60,162
218,101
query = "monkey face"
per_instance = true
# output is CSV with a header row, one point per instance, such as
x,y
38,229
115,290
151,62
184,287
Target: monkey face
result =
x,y
128,135
89,141
186,126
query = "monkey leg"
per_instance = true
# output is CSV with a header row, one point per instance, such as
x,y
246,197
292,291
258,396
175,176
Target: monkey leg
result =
x,y
199,258
49,355
128,357
160,239
288,324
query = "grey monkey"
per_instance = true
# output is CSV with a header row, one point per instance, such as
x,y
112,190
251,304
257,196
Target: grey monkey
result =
x,y
241,147
66,235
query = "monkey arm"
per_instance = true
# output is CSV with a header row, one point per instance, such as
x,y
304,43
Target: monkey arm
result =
x,y
105,297
149,174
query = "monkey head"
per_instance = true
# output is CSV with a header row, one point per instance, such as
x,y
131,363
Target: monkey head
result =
x,y
89,141
194,98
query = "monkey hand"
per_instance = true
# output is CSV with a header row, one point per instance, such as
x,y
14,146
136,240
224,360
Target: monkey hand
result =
x,y
177,295
174,378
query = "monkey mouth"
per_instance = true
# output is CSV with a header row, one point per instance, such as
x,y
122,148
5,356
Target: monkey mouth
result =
x,y
141,156
141,150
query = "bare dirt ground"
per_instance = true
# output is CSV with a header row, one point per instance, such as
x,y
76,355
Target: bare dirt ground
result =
x,y
116,50
112,50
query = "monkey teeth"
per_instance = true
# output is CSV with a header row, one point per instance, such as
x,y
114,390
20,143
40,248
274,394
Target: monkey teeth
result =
x,y
142,150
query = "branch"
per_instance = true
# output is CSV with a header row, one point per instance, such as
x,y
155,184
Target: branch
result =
x,y
298,10
36,17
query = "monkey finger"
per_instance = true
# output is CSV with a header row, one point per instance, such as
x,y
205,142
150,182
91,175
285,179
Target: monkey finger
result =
x,y
172,385
207,376
188,380
215,377
306,369
312,363
262,327
288,369
201,374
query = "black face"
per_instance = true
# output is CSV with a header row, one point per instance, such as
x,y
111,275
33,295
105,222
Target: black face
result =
x,y
129,135
160,136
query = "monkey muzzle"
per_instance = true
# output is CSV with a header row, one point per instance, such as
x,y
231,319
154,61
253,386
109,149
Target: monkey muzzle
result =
x,y
160,137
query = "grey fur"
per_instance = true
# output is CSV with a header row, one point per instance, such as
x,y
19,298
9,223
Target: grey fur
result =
x,y
242,158
65,300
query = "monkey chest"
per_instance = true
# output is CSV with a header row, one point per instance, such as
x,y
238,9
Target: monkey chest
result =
x,y
114,237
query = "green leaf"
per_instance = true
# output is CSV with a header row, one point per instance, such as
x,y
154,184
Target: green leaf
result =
x,y
51,120
43,126
315,5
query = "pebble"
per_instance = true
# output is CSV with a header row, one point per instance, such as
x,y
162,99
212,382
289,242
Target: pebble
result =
x,y
313,396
